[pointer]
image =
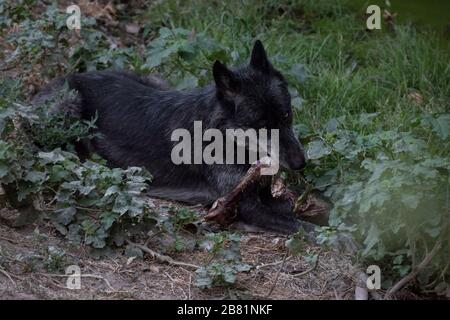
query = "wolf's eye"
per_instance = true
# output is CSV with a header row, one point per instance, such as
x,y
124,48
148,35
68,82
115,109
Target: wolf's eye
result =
x,y
286,115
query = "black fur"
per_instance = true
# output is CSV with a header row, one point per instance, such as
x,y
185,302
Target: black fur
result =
x,y
136,117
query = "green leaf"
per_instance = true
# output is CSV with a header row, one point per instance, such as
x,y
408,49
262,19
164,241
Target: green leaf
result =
x,y
133,251
64,216
89,226
298,71
295,245
3,170
121,204
97,240
51,157
373,237
108,219
433,232
317,149
230,275
203,280
398,259
188,82
442,126
439,125
297,103
111,190
402,269
35,176
366,118
410,200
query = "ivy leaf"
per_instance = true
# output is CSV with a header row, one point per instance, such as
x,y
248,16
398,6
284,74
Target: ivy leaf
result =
x,y
410,200
89,226
294,244
133,251
433,232
229,275
366,118
442,126
402,269
159,54
439,125
333,124
121,204
317,149
51,157
4,169
242,267
111,190
108,219
297,103
373,236
298,71
97,240
188,82
35,176
85,190
64,216
341,144
203,280
74,233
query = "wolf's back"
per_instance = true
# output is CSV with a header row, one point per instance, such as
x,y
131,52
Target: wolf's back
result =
x,y
66,93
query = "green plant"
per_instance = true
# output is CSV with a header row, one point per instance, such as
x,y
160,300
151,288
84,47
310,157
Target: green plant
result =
x,y
225,261
390,189
55,260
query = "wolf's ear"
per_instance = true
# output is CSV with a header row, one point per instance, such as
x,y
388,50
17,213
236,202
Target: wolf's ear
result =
x,y
259,58
225,79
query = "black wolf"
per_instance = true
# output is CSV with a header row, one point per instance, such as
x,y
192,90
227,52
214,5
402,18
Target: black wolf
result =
x,y
136,117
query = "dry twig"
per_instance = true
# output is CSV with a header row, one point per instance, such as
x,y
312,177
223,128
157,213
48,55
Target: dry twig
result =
x,y
277,275
223,211
162,258
402,282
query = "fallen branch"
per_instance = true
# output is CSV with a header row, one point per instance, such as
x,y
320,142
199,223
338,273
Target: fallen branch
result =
x,y
402,282
99,277
306,207
272,264
277,275
316,263
6,274
162,258
223,211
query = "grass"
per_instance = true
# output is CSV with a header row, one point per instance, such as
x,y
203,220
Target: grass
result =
x,y
350,70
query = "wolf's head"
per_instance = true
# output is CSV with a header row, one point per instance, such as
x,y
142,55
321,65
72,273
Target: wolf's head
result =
x,y
256,96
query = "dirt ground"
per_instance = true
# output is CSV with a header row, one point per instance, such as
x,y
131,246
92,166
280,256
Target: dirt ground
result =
x,y
26,271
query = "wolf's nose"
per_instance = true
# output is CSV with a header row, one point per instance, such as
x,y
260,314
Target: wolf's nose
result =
x,y
298,163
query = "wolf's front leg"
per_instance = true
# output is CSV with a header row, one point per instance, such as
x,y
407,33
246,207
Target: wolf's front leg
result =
x,y
254,212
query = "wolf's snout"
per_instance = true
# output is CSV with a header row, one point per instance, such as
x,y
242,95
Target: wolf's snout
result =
x,y
292,155
297,162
